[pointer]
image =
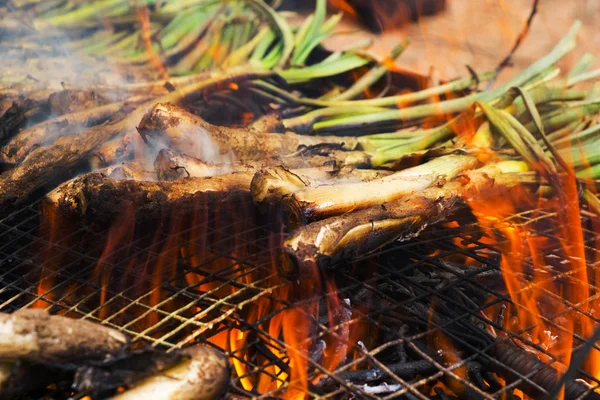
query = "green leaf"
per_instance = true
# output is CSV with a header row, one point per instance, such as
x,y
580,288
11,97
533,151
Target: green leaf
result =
x,y
584,64
519,138
346,62
311,33
592,201
321,35
242,53
280,25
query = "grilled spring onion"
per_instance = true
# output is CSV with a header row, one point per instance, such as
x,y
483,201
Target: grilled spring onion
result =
x,y
97,194
171,165
269,185
42,165
37,336
201,374
324,243
186,133
320,202
41,134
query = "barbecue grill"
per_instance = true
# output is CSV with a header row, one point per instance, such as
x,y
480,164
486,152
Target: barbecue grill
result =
x,y
242,251
212,279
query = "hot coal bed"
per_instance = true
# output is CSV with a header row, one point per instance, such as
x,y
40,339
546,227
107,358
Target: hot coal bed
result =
x,y
426,318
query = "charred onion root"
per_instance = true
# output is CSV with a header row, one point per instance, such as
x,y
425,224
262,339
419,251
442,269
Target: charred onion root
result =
x,y
170,165
17,115
37,336
202,374
32,107
43,165
512,358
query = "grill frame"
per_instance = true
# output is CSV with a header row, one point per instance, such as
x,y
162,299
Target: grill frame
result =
x,y
22,235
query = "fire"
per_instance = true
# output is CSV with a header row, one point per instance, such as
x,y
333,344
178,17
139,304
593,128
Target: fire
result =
x,y
120,233
49,224
266,325
549,299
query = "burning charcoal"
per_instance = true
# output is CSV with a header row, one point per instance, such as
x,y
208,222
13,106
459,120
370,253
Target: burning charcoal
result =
x,y
201,374
442,395
511,358
318,349
397,352
380,389
37,336
408,369
16,378
475,373
265,351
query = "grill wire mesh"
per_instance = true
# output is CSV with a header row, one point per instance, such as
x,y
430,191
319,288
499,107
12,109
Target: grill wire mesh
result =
x,y
182,284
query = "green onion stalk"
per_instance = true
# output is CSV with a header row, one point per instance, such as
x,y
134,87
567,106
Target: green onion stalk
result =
x,y
197,35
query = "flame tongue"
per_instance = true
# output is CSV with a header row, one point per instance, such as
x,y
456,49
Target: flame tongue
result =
x,y
549,288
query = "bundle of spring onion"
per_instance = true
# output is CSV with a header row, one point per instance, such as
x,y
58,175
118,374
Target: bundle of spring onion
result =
x,y
335,159
192,36
536,123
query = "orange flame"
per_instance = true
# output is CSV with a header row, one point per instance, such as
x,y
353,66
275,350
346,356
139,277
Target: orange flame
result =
x,y
121,231
284,331
548,301
49,224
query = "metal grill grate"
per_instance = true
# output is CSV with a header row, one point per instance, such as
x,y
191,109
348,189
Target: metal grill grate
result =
x,y
211,279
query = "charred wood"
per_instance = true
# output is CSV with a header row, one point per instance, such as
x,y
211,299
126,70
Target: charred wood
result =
x,y
514,363
16,378
408,369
